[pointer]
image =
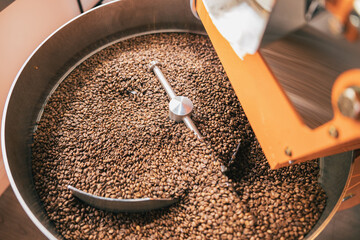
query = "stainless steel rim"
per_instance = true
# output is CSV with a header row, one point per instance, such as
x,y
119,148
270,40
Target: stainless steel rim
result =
x,y
190,24
174,16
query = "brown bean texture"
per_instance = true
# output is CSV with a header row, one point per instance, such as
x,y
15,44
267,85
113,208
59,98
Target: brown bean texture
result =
x,y
106,131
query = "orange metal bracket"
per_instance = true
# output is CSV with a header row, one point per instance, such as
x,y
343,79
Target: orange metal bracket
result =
x,y
281,132
341,10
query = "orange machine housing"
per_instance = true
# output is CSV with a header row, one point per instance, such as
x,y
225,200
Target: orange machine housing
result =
x,y
281,132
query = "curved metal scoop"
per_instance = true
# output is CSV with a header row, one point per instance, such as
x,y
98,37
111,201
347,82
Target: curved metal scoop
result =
x,y
122,205
180,109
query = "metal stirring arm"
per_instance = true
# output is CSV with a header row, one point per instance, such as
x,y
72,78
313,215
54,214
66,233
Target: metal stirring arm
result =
x,y
180,107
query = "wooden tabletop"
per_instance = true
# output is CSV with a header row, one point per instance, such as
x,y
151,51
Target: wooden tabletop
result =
x,y
4,182
14,223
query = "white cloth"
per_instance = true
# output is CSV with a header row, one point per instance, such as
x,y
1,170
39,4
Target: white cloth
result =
x,y
240,23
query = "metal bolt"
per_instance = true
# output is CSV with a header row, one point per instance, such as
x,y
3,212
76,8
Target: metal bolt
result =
x,y
348,196
349,102
333,132
354,20
288,151
354,15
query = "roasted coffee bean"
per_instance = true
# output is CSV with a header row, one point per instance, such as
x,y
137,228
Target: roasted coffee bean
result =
x,y
106,131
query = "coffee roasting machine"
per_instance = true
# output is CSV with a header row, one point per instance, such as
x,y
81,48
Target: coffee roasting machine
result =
x,y
294,65
304,108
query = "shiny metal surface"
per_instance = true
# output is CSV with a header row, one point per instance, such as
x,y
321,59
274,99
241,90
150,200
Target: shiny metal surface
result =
x,y
193,8
349,102
180,107
55,58
307,61
286,16
191,125
63,51
154,66
354,16
333,178
313,7
306,64
122,205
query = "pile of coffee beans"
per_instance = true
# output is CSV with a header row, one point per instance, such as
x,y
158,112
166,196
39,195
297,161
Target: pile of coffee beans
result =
x,y
106,131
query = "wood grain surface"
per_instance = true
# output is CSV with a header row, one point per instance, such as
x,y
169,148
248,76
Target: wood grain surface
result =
x,y
14,223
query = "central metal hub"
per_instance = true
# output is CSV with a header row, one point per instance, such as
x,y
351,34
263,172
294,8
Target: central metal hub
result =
x,y
179,107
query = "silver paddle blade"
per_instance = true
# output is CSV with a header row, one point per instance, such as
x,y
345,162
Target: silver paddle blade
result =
x,y
122,205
